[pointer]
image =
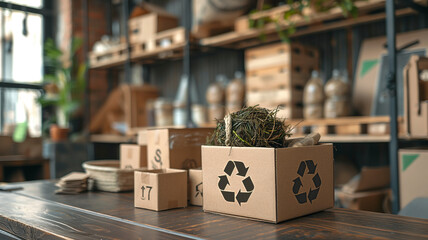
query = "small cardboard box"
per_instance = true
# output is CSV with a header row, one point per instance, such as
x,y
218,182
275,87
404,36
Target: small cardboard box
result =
x,y
133,156
196,191
367,201
370,178
268,184
415,98
175,148
160,189
413,164
366,190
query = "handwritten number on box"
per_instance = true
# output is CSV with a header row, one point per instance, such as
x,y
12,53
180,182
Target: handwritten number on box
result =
x,y
149,189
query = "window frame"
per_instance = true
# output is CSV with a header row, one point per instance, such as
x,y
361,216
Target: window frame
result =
x,y
47,13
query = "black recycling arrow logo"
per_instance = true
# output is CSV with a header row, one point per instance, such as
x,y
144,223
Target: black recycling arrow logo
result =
x,y
241,171
303,197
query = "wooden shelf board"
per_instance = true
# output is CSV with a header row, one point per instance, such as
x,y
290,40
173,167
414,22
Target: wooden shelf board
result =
x,y
112,138
341,121
170,52
251,37
354,138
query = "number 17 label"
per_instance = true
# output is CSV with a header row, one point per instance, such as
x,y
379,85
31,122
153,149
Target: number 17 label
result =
x,y
149,189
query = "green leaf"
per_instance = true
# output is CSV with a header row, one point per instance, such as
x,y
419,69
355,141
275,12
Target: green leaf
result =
x,y
20,133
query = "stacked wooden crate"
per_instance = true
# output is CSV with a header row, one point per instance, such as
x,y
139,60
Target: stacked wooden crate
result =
x,y
276,75
153,33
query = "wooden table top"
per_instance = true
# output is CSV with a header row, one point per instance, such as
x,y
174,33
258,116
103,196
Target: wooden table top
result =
x,y
36,212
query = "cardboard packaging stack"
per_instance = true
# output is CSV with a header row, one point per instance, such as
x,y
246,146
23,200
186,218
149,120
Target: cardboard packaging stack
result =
x,y
73,183
170,153
268,184
413,163
367,190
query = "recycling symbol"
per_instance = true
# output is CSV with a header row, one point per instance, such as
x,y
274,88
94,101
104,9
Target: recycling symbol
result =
x,y
241,196
316,180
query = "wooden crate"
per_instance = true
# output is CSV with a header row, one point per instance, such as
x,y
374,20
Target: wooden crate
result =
x,y
276,75
124,104
146,27
242,23
136,98
175,37
275,96
112,56
309,15
286,111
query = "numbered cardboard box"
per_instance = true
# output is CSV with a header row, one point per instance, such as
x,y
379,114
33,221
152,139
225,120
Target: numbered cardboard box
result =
x,y
175,148
160,189
133,156
196,191
268,184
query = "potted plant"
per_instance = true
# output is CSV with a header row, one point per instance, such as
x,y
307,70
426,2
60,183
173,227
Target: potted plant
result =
x,y
64,85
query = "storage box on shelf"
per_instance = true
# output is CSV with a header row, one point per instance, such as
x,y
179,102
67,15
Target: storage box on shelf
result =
x,y
366,191
413,163
146,27
276,75
416,97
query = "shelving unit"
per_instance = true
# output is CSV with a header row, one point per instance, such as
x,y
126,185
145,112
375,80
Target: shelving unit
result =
x,y
369,11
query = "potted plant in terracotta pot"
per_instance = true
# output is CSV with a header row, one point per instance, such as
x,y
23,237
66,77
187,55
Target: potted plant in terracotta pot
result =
x,y
64,85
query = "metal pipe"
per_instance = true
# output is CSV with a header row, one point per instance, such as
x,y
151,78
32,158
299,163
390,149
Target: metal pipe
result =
x,y
15,85
392,87
128,58
187,19
22,8
85,16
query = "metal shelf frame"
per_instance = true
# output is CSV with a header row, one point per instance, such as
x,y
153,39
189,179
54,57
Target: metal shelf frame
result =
x,y
392,88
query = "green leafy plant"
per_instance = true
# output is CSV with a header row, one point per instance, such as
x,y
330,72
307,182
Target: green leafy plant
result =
x,y
64,80
296,8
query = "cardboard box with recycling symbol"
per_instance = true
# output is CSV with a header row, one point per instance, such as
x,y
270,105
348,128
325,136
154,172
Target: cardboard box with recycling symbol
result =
x,y
268,184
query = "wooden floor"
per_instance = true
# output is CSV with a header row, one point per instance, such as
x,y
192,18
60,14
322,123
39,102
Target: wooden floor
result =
x,y
36,212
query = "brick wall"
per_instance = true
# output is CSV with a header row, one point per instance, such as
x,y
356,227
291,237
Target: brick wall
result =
x,y
97,27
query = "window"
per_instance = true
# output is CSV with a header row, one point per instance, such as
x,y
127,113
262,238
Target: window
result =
x,y
21,61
